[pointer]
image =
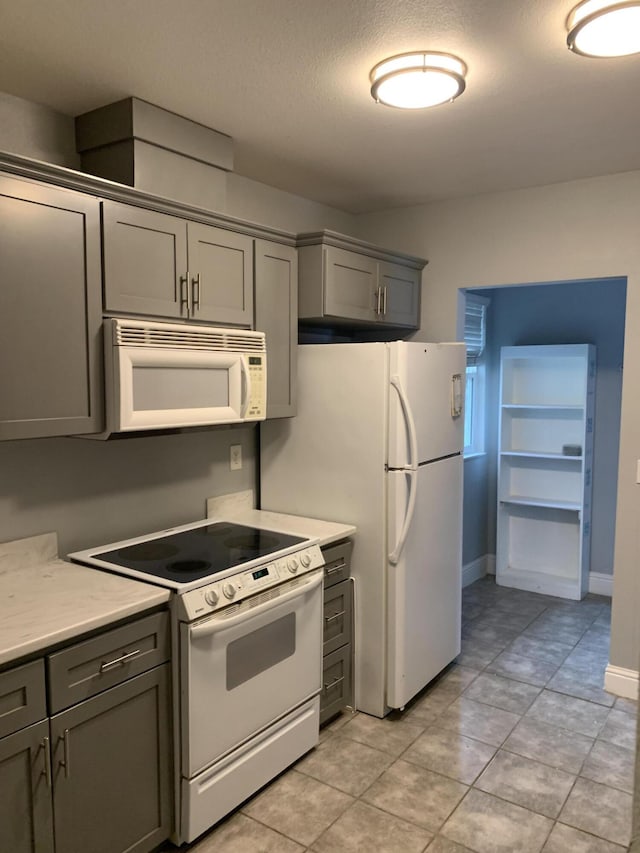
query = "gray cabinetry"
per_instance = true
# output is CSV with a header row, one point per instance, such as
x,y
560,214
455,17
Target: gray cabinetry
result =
x,y
96,775
50,311
344,281
276,314
337,681
160,265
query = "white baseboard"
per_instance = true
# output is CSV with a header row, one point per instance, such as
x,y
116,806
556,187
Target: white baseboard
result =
x,y
622,682
474,571
600,584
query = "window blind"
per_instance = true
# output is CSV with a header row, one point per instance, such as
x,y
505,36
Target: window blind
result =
x,y
475,327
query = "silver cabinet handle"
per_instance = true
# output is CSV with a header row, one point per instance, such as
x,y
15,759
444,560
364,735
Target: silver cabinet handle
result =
x,y
195,291
334,683
378,295
384,299
184,293
334,569
44,744
119,661
328,619
65,762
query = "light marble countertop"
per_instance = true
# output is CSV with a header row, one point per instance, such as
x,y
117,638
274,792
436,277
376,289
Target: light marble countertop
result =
x,y
45,601
324,531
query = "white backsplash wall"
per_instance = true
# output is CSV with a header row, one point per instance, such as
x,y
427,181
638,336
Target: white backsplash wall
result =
x,y
96,492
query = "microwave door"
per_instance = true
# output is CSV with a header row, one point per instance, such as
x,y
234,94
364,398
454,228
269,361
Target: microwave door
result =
x,y
158,388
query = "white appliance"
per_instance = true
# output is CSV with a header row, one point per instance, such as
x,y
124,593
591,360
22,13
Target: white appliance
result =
x,y
378,439
174,375
247,625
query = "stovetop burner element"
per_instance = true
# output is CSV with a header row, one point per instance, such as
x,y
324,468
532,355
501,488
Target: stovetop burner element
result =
x,y
199,552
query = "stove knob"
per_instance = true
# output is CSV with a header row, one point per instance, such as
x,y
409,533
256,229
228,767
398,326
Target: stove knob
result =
x,y
305,559
229,590
211,597
292,565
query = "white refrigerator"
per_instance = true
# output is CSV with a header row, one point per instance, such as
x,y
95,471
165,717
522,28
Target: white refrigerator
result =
x,y
377,442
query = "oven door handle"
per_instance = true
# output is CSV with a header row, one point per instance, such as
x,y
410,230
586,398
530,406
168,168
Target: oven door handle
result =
x,y
213,625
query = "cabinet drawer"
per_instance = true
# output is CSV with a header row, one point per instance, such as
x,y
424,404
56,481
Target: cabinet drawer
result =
x,y
336,683
337,616
337,562
22,697
94,665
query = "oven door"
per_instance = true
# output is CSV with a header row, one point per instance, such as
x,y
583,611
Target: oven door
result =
x,y
156,388
245,667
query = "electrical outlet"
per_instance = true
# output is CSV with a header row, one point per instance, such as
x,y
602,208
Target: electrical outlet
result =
x,y
235,457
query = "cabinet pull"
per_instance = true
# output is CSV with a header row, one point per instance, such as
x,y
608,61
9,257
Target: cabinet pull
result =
x,y
384,299
334,569
328,619
124,657
334,683
184,293
44,744
195,291
65,761
378,295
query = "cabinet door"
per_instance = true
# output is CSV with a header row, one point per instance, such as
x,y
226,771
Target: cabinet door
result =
x,y
25,805
276,314
50,311
400,295
145,261
111,767
350,285
220,275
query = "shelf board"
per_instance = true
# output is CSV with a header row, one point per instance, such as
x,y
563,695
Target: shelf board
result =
x,y
543,407
523,500
528,454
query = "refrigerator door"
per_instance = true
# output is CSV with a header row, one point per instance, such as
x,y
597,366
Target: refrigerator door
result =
x,y
424,587
432,378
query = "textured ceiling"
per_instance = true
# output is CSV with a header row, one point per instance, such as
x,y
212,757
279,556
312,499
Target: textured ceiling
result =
x,y
288,80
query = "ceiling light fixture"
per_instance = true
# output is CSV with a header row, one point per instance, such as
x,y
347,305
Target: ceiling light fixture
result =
x,y
604,28
413,81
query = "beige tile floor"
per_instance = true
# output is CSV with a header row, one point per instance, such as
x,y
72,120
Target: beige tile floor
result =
x,y
514,749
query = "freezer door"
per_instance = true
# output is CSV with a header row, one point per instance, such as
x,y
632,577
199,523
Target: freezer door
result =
x,y
432,378
424,587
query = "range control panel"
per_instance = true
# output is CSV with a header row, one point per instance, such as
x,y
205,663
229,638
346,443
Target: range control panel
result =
x,y
231,589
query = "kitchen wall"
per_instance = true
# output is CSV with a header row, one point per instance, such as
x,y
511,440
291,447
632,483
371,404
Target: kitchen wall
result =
x,y
585,229
94,492
577,312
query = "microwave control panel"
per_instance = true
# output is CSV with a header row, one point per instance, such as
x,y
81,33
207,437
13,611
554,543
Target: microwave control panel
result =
x,y
257,409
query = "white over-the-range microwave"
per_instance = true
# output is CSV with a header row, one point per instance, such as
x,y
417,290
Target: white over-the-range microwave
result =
x,y
174,375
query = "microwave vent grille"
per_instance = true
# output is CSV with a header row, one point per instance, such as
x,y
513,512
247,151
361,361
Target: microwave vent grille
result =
x,y
187,337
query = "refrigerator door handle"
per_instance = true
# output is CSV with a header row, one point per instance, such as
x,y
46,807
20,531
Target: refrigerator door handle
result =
x,y
412,474
412,461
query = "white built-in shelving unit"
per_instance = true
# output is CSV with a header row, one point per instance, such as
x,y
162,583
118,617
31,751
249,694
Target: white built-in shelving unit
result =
x,y
545,457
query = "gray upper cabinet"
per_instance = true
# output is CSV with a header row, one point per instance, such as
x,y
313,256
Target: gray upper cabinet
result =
x,y
50,310
344,281
276,314
160,265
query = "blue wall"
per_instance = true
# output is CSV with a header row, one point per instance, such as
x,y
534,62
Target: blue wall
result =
x,y
591,312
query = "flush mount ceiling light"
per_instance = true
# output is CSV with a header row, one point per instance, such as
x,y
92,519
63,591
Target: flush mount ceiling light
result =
x,y
413,81
604,28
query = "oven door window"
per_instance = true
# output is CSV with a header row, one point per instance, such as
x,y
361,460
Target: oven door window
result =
x,y
260,650
239,674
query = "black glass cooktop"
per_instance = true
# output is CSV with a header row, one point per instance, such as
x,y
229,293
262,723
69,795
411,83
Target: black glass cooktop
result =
x,y
191,555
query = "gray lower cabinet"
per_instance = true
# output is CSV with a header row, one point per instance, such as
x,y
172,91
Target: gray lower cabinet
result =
x,y
337,668
344,281
111,770
95,777
276,314
25,802
160,265
50,305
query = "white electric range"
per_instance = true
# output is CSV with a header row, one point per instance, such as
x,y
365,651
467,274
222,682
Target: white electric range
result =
x,y
247,624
